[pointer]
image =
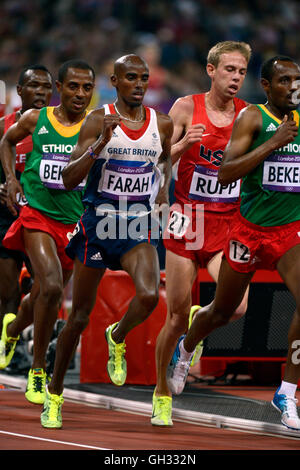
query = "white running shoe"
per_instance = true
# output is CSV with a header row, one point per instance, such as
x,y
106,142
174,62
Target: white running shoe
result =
x,y
177,371
288,409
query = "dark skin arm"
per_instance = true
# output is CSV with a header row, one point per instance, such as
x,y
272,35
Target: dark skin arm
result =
x,y
237,160
96,131
165,126
3,189
17,132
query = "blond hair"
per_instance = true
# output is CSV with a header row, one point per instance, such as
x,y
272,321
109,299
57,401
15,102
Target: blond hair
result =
x,y
220,48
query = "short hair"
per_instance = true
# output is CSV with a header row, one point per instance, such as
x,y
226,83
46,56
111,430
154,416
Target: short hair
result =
x,y
76,64
220,48
21,79
267,68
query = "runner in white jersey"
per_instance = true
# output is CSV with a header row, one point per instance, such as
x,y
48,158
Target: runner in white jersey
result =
x,y
124,150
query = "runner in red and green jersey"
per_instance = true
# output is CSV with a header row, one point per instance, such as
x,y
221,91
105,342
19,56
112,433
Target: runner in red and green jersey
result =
x,y
44,224
264,152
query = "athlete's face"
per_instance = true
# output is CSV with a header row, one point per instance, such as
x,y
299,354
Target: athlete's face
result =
x,y
76,90
228,77
36,90
131,82
284,87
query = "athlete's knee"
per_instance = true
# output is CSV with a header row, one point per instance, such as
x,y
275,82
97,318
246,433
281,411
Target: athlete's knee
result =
x,y
219,316
79,320
52,291
178,324
148,298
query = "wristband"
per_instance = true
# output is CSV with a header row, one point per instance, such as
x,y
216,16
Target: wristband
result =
x,y
92,153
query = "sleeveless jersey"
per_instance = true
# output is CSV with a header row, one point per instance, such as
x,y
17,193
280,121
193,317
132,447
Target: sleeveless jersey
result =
x,y
41,179
197,172
269,194
125,178
23,148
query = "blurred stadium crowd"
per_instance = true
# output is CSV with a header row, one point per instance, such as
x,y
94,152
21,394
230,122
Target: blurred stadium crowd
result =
x,y
174,37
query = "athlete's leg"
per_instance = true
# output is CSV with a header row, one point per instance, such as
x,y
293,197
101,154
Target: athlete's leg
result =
x,y
213,267
141,263
231,288
85,284
42,252
180,275
289,269
10,293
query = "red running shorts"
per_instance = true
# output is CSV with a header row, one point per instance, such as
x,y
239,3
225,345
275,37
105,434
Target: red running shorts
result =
x,y
250,247
33,219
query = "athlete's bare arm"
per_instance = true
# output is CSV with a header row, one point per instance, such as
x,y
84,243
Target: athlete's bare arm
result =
x,y
17,132
237,161
185,134
95,132
165,126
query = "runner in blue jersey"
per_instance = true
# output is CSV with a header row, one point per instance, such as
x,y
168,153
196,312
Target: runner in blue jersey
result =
x,y
124,151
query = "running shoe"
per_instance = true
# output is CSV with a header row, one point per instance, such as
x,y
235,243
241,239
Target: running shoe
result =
x,y
177,371
7,344
287,406
36,386
161,411
51,415
116,365
199,347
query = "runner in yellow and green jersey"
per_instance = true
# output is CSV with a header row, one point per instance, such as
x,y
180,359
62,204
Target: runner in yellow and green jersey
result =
x,y
45,223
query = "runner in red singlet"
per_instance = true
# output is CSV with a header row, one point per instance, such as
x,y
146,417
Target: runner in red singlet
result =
x,y
35,90
203,211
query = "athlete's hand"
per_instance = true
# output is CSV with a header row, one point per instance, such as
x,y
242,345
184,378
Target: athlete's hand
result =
x,y
193,134
110,122
13,188
286,131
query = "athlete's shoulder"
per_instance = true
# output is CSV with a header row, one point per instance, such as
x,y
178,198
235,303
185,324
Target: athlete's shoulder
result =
x,y
184,103
250,117
165,122
29,118
94,116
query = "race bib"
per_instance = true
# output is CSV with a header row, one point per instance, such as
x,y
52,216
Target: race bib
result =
x,y
126,182
282,173
178,224
205,187
21,200
239,252
51,168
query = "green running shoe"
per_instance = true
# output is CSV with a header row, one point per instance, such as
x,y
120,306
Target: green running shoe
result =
x,y
161,411
116,365
7,344
36,386
51,415
199,347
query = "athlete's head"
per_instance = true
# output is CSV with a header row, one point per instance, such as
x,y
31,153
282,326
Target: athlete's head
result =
x,y
74,64
131,78
34,87
226,47
280,79
75,84
227,64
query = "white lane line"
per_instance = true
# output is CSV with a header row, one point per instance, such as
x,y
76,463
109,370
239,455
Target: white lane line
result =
x,y
52,440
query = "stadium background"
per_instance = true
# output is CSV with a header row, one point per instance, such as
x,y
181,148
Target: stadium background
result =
x,y
174,36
